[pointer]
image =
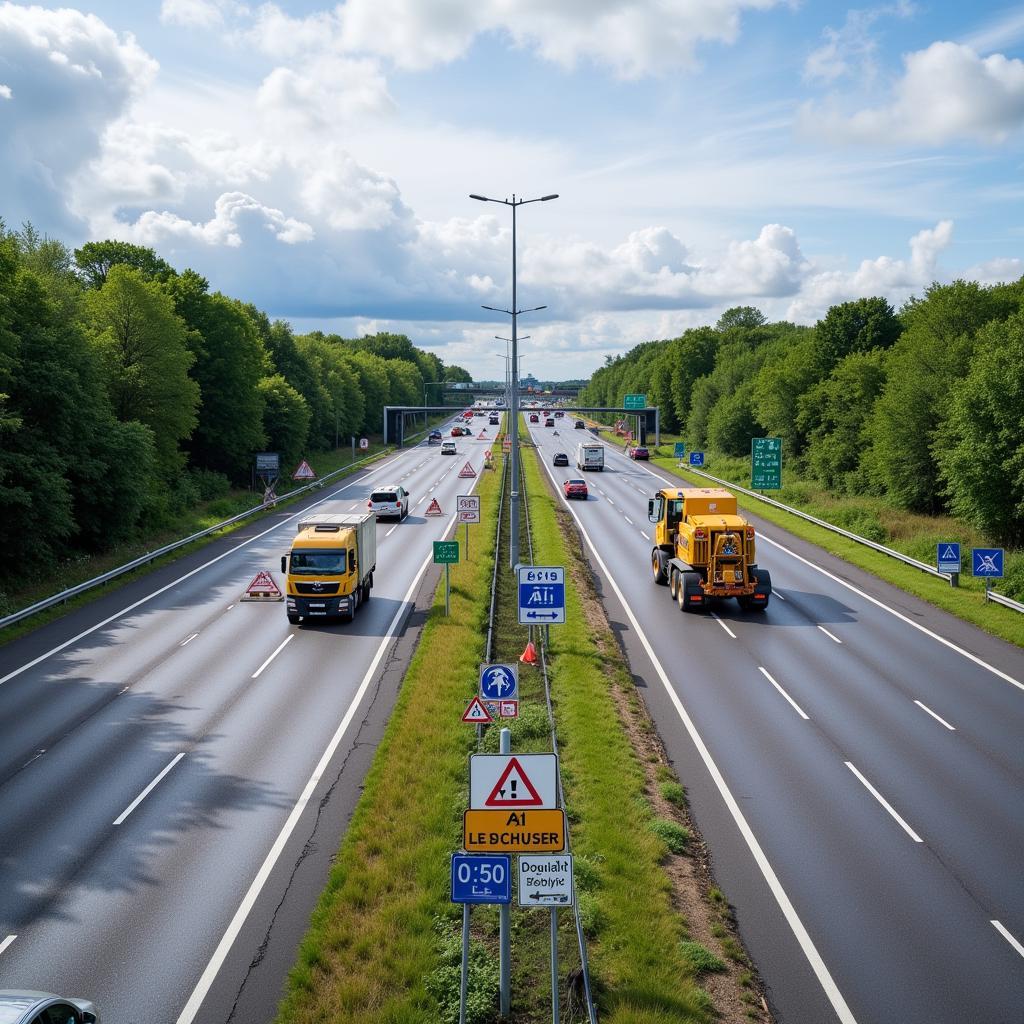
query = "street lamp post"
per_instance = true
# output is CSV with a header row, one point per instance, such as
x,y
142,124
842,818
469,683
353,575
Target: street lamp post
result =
x,y
508,377
514,404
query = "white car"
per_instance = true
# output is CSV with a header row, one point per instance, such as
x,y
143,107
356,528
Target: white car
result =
x,y
448,448
389,500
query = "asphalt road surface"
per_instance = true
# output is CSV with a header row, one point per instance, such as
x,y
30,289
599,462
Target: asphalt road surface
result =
x,y
854,758
176,767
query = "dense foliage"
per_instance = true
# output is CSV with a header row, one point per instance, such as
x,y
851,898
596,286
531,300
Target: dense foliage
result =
x,y
129,390
924,407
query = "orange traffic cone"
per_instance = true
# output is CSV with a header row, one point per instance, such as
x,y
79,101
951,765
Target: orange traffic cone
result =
x,y
529,655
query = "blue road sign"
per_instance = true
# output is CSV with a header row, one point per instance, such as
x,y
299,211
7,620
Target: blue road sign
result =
x,y
988,562
948,557
680,449
541,595
499,682
696,458
481,878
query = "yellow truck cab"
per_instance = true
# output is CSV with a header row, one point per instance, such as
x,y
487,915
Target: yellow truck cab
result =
x,y
329,569
703,549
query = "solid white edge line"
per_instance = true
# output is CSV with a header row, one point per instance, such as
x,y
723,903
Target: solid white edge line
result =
x,y
142,796
714,615
280,647
999,928
940,720
867,597
831,636
775,593
885,803
796,707
822,973
181,579
10,938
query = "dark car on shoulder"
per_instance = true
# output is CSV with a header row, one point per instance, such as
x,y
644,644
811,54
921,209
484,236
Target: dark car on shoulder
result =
x,y
638,452
560,459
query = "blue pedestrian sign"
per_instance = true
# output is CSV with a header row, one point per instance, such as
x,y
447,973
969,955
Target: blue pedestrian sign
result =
x,y
499,682
948,557
481,878
988,562
541,595
680,449
696,458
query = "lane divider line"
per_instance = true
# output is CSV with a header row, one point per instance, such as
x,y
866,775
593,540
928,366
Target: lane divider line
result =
x,y
941,721
885,803
10,938
280,647
776,593
392,530
831,636
999,928
800,933
723,625
628,520
188,640
149,789
796,707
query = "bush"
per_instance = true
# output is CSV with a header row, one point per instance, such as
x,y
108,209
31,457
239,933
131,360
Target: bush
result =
x,y
673,793
209,484
532,724
444,982
672,834
592,917
701,959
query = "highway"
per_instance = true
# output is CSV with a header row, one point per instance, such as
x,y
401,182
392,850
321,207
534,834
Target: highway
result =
x,y
177,767
853,757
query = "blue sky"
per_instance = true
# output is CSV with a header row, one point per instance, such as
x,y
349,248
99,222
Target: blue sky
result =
x,y
317,160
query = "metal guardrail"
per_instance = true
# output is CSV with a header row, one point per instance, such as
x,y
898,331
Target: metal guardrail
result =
x,y
81,588
991,595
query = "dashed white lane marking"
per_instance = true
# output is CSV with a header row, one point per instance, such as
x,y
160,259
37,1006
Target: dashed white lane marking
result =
x,y
420,502
10,938
280,647
628,520
392,530
188,639
611,500
778,594
149,789
796,707
831,636
999,928
723,625
644,535
937,718
229,607
885,803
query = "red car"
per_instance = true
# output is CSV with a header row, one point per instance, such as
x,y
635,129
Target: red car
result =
x,y
534,418
576,489
639,452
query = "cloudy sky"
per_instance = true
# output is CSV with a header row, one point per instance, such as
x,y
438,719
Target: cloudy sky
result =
x,y
317,160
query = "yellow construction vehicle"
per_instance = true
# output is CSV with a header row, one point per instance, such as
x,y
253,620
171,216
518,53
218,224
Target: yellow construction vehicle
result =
x,y
703,549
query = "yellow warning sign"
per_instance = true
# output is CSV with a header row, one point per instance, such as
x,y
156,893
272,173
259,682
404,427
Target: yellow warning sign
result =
x,y
514,831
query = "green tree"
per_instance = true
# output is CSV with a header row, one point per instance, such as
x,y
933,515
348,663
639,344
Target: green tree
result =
x,y
857,326
95,260
791,367
692,357
286,418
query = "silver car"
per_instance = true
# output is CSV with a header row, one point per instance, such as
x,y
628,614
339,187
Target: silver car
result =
x,y
389,500
19,1006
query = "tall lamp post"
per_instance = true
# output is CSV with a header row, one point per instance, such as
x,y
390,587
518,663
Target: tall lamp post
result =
x,y
508,379
514,405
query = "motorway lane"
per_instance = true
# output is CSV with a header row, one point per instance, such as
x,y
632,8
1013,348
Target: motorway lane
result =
x,y
916,926
131,913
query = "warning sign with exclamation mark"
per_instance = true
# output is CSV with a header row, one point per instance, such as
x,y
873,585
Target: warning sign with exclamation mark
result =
x,y
500,781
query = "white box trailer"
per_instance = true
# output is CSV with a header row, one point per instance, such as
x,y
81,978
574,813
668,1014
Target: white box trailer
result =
x,y
590,456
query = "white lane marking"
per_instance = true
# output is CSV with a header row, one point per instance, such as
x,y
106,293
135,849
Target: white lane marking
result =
x,y
723,625
195,1000
392,530
778,594
796,707
810,951
611,500
420,502
142,796
999,928
644,535
280,647
874,600
941,721
628,520
229,607
885,803
181,579
831,636
10,938
188,639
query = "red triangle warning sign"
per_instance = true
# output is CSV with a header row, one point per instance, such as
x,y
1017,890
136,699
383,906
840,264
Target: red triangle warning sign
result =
x,y
263,588
304,472
514,789
482,436
433,509
467,470
477,713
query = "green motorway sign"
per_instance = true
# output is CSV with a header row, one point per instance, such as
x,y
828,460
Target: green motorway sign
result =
x,y
446,552
635,402
765,463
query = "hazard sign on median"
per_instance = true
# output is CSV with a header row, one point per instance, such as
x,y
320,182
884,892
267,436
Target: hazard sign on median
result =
x,y
304,472
476,713
513,831
505,781
263,588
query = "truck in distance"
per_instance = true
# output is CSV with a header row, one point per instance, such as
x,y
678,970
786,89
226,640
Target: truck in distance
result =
x,y
590,456
329,569
703,549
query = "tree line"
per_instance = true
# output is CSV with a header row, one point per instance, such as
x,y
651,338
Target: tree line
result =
x,y
129,391
923,407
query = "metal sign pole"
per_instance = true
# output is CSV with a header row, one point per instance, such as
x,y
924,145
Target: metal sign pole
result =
x,y
447,588
504,922
554,966
464,986
467,542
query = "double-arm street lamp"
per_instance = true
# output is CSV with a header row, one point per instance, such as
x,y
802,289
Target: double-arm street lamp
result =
x,y
514,403
507,357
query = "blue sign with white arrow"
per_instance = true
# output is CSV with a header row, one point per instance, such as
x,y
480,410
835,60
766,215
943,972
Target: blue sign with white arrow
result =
x,y
948,557
988,562
541,595
696,458
499,682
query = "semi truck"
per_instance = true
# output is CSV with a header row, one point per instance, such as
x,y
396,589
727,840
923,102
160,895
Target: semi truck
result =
x,y
590,456
329,569
704,550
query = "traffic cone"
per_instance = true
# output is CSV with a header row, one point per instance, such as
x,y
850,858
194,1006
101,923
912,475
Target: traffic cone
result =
x,y
529,655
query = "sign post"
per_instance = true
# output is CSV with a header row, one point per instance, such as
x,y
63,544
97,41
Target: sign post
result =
x,y
467,510
446,552
541,595
635,402
765,463
679,451
988,563
547,882
697,459
948,560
